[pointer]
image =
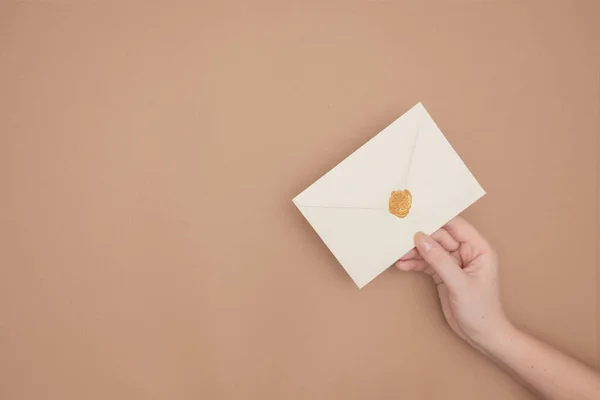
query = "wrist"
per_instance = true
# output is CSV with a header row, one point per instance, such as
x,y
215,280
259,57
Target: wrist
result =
x,y
502,333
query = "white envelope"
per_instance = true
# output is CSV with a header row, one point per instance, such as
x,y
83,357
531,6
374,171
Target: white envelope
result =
x,y
348,206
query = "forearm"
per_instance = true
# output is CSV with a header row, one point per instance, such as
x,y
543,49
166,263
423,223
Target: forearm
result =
x,y
544,369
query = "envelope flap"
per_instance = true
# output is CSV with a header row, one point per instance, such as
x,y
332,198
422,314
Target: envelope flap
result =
x,y
366,178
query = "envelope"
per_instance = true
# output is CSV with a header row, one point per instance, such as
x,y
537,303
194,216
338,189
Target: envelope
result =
x,y
349,206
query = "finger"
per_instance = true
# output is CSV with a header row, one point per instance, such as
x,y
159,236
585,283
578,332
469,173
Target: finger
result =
x,y
442,237
411,255
440,260
411,265
464,232
431,272
418,266
446,240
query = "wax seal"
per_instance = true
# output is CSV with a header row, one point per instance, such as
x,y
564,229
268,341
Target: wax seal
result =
x,y
400,202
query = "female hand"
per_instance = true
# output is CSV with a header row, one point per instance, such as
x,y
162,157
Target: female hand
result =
x,y
465,270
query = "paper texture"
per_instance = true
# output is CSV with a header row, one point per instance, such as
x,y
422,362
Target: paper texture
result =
x,y
348,206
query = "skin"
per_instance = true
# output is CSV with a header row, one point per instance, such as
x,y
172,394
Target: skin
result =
x,y
464,268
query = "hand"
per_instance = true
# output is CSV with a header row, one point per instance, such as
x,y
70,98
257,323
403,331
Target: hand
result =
x,y
465,270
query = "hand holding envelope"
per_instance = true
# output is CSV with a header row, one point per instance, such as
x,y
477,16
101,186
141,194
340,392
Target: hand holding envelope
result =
x,y
406,179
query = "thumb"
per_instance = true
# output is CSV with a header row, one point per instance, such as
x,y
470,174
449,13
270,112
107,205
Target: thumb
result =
x,y
440,260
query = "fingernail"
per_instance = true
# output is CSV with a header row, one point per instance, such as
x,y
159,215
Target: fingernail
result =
x,y
422,241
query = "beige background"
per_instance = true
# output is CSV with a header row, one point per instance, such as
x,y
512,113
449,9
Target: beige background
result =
x,y
149,248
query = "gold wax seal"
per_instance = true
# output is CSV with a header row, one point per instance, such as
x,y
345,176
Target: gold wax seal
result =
x,y
400,202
